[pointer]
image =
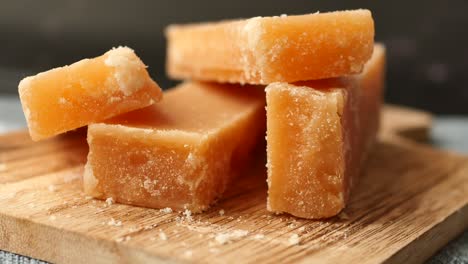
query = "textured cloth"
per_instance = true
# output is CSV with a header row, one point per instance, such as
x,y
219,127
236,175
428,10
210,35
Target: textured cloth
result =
x,y
10,258
456,252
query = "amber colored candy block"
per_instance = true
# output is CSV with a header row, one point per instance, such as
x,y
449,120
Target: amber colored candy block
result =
x,y
180,153
88,91
263,50
318,136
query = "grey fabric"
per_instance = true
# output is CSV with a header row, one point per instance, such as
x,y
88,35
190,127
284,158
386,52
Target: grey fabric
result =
x,y
10,258
447,133
456,252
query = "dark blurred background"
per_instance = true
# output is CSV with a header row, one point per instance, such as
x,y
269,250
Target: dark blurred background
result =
x,y
427,41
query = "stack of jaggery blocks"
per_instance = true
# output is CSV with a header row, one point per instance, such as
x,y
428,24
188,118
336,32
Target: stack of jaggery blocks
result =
x,y
319,76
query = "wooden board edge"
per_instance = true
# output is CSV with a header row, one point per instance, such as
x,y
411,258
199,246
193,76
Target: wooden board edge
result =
x,y
445,231
35,243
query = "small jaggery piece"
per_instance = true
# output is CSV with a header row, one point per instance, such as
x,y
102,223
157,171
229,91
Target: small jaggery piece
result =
x,y
263,50
180,153
88,91
319,134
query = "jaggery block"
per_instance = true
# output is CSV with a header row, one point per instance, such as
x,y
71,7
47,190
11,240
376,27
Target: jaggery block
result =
x,y
180,153
318,136
88,91
263,50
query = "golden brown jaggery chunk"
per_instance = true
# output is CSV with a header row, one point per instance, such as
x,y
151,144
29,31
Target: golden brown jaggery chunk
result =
x,y
85,92
318,136
263,50
180,153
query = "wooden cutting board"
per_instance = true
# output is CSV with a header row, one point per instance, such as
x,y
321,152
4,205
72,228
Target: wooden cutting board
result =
x,y
410,201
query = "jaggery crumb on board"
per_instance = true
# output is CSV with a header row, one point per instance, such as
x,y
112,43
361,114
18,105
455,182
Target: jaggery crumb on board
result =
x,y
318,135
180,153
123,239
85,92
113,222
262,50
166,210
259,236
224,238
188,215
109,201
162,235
294,240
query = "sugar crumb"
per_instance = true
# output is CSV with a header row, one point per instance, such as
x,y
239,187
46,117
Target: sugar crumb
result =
x,y
293,240
221,212
224,238
188,215
126,69
166,210
133,229
259,236
123,239
162,235
88,197
149,227
109,201
113,222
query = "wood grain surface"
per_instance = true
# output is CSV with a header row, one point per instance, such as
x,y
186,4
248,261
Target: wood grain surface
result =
x,y
410,201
